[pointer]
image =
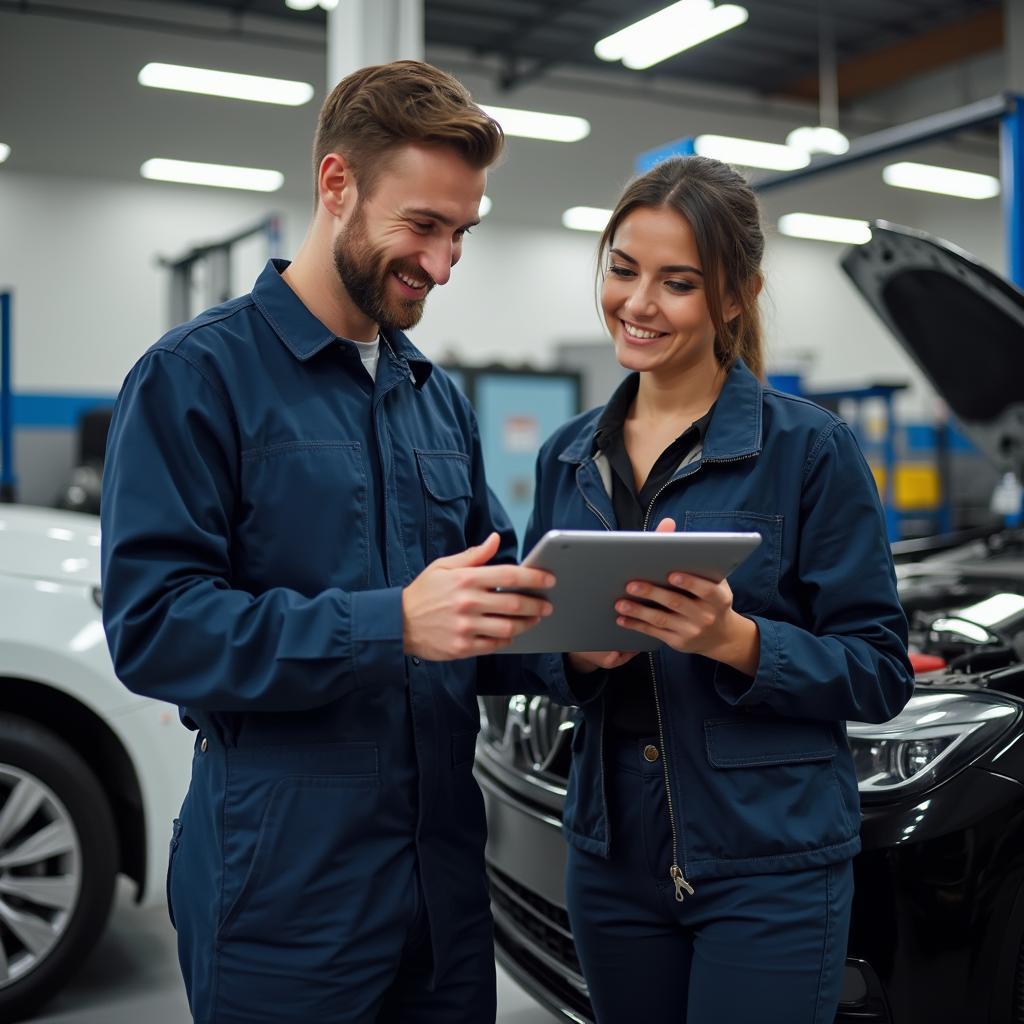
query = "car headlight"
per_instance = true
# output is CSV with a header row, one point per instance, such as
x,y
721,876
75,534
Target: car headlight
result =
x,y
935,735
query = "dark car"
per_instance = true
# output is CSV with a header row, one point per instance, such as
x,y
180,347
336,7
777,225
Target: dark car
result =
x,y
937,935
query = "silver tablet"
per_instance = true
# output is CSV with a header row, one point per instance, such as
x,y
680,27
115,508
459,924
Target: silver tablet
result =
x,y
593,567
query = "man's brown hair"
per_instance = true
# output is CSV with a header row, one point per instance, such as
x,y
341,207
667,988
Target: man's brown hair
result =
x,y
378,109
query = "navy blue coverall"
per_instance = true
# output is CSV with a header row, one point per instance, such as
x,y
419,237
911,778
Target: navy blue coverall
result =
x,y
264,502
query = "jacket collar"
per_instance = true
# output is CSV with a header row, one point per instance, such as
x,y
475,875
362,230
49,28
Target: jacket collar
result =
x,y
733,433
304,335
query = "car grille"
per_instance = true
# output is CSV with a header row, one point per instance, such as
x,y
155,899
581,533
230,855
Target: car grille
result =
x,y
530,735
536,935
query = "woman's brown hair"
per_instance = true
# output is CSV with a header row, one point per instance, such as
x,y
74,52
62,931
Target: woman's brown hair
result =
x,y
378,109
723,213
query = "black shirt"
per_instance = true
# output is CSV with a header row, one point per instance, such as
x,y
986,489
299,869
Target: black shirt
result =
x,y
631,707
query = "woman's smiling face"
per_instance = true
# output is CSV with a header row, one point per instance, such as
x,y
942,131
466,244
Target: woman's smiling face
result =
x,y
653,294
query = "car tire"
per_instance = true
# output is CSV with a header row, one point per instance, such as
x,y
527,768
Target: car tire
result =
x,y
58,863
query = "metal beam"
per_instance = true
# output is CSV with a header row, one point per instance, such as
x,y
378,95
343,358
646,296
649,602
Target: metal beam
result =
x,y
888,140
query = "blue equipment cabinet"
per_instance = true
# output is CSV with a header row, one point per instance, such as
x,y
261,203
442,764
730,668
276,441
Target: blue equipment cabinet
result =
x,y
517,411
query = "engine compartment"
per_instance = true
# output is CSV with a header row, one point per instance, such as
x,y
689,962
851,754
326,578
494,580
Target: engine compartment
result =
x,y
965,608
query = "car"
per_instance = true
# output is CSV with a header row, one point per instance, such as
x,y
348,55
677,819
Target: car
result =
x,y
937,931
91,775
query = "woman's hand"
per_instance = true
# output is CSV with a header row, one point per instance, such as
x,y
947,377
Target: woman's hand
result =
x,y
699,621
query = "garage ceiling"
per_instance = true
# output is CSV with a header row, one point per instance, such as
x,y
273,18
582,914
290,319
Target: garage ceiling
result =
x,y
877,41
70,67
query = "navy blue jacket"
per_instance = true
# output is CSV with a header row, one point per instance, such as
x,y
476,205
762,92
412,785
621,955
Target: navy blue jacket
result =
x,y
264,502
761,778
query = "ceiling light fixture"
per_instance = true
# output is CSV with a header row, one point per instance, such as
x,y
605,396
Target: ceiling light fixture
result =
x,y
669,31
825,229
227,84
485,206
5,151
750,153
585,218
308,5
942,180
187,172
818,139
532,124
825,136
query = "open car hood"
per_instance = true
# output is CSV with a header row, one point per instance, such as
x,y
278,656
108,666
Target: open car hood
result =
x,y
960,322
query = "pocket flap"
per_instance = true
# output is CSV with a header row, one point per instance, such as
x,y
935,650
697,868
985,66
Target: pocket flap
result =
x,y
733,744
445,474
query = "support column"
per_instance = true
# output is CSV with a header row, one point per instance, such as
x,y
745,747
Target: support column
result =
x,y
1013,44
362,32
1012,141
7,480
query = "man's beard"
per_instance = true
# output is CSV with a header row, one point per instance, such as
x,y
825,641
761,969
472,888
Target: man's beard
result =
x,y
366,279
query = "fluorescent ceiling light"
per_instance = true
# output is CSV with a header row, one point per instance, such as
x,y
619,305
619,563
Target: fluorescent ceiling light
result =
x,y
635,36
943,180
585,218
818,139
532,124
825,229
750,153
301,5
5,151
669,31
485,205
225,83
186,172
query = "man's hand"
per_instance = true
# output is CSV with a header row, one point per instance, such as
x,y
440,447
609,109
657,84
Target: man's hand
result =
x,y
452,610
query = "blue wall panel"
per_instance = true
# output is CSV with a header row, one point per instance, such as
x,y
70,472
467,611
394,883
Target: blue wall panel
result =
x,y
517,414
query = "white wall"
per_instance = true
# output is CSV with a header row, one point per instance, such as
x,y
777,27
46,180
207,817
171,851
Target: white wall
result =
x,y
90,295
82,258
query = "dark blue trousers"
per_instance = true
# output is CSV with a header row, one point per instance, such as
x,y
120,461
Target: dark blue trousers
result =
x,y
764,949
297,894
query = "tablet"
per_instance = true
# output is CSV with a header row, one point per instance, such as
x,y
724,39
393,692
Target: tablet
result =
x,y
593,567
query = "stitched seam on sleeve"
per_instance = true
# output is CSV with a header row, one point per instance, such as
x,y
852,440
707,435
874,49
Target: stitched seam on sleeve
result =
x,y
216,388
815,451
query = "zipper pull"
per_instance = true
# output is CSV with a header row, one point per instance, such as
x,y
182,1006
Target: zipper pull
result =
x,y
680,883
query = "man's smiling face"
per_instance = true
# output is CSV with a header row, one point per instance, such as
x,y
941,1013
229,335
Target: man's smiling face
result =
x,y
406,236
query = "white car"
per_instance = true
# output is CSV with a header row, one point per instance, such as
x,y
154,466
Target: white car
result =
x,y
91,775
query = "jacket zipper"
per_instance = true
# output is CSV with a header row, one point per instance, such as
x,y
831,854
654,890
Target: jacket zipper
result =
x,y
600,734
674,872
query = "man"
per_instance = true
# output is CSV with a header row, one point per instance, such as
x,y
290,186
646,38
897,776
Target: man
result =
x,y
296,538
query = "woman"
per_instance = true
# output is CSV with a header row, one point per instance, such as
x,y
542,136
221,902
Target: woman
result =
x,y
712,811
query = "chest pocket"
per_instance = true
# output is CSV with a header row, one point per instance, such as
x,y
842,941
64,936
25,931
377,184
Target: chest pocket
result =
x,y
303,521
446,493
755,582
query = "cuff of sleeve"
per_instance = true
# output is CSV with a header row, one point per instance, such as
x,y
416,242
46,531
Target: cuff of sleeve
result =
x,y
737,688
378,650
573,688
